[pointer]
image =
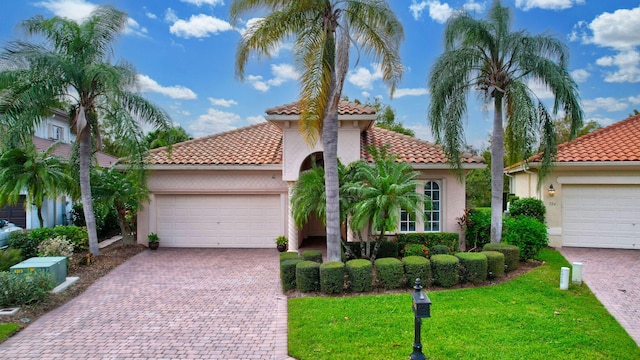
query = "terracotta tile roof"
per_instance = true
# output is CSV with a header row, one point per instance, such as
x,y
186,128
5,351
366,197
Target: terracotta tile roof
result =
x,y
407,148
617,142
258,144
64,150
344,108
261,144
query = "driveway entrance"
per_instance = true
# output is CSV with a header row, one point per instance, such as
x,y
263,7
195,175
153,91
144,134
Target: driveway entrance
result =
x,y
169,304
612,275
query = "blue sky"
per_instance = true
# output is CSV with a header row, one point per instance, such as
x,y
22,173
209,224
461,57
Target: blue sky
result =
x,y
184,52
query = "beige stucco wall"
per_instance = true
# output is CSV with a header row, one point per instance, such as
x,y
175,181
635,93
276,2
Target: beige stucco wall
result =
x,y
524,185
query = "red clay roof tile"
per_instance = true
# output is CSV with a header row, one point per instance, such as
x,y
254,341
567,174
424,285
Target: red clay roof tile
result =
x,y
344,108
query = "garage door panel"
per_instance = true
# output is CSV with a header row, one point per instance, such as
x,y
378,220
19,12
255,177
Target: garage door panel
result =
x,y
605,216
219,220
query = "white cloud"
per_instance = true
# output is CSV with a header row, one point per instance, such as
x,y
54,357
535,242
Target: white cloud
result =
x,y
580,75
609,104
80,10
363,78
441,12
204,2
547,4
147,84
151,15
222,102
628,67
256,119
541,90
600,120
213,122
619,30
199,26
410,92
634,100
281,74
170,16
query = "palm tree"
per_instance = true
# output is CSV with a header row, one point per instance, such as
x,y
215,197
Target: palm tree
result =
x,y
73,64
38,173
323,31
485,55
382,189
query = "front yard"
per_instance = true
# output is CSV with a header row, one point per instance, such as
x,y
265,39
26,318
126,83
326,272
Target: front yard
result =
x,y
526,318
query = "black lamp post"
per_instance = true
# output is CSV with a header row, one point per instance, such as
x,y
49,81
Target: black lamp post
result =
x,y
421,309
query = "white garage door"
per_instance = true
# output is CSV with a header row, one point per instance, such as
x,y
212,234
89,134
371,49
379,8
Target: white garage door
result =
x,y
227,221
606,216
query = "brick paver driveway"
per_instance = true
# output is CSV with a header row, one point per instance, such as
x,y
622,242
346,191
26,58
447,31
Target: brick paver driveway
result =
x,y
169,304
612,275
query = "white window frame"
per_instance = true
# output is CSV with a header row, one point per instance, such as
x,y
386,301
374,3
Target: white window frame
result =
x,y
56,132
434,203
420,222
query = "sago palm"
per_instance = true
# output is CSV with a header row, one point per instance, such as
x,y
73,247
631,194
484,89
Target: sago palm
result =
x,y
71,61
485,55
323,31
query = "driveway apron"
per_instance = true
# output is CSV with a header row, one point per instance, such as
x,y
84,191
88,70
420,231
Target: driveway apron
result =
x,y
169,304
612,275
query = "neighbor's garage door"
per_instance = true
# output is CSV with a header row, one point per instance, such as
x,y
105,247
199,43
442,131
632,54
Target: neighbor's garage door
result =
x,y
234,221
15,213
606,216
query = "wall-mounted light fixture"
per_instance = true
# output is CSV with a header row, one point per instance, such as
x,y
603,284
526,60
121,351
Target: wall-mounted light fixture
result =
x,y
551,190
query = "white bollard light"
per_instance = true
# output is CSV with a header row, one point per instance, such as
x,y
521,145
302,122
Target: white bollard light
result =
x,y
564,278
576,275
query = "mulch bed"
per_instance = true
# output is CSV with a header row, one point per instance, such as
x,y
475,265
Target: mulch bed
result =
x,y
110,257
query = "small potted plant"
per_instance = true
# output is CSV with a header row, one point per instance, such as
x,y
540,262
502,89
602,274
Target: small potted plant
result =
x,y
154,241
281,243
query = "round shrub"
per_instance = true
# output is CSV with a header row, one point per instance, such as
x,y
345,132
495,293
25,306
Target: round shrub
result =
x,y
389,272
417,267
530,207
416,250
445,270
478,227
473,267
20,240
511,254
288,273
495,263
57,246
308,276
332,277
440,249
528,234
288,256
360,275
312,255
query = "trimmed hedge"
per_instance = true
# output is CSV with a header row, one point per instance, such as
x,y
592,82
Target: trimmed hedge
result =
x,y
495,263
76,234
429,239
415,250
528,207
288,256
22,241
387,248
440,250
445,270
473,267
511,254
288,273
308,276
527,233
360,275
312,255
389,272
417,267
332,277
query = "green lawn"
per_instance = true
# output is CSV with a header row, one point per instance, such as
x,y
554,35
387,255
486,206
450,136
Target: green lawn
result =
x,y
7,330
526,318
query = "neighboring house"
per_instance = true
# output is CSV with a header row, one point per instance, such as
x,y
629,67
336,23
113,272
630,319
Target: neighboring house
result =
x,y
232,189
55,211
592,195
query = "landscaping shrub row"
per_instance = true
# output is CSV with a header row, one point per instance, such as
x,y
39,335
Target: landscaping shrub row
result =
x,y
450,240
361,275
27,241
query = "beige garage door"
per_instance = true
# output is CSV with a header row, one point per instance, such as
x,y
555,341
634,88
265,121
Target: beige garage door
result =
x,y
227,221
606,216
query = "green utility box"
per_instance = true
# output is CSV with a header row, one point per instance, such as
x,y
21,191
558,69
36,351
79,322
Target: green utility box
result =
x,y
55,265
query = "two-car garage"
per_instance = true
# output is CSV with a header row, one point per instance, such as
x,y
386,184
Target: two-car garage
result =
x,y
219,220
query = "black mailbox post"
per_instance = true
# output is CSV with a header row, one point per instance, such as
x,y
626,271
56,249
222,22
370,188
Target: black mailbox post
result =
x,y
421,309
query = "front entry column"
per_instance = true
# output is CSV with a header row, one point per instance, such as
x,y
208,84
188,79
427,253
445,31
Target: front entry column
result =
x,y
292,229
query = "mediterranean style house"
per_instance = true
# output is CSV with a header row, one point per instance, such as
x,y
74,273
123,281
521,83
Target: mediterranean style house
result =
x,y
232,189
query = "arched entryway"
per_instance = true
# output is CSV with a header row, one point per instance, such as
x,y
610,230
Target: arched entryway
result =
x,y
314,233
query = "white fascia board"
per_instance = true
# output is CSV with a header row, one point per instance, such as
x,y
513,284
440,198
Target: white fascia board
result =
x,y
537,165
599,180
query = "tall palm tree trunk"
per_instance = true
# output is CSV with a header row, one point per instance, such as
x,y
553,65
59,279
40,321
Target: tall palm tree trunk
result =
x,y
85,189
497,166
